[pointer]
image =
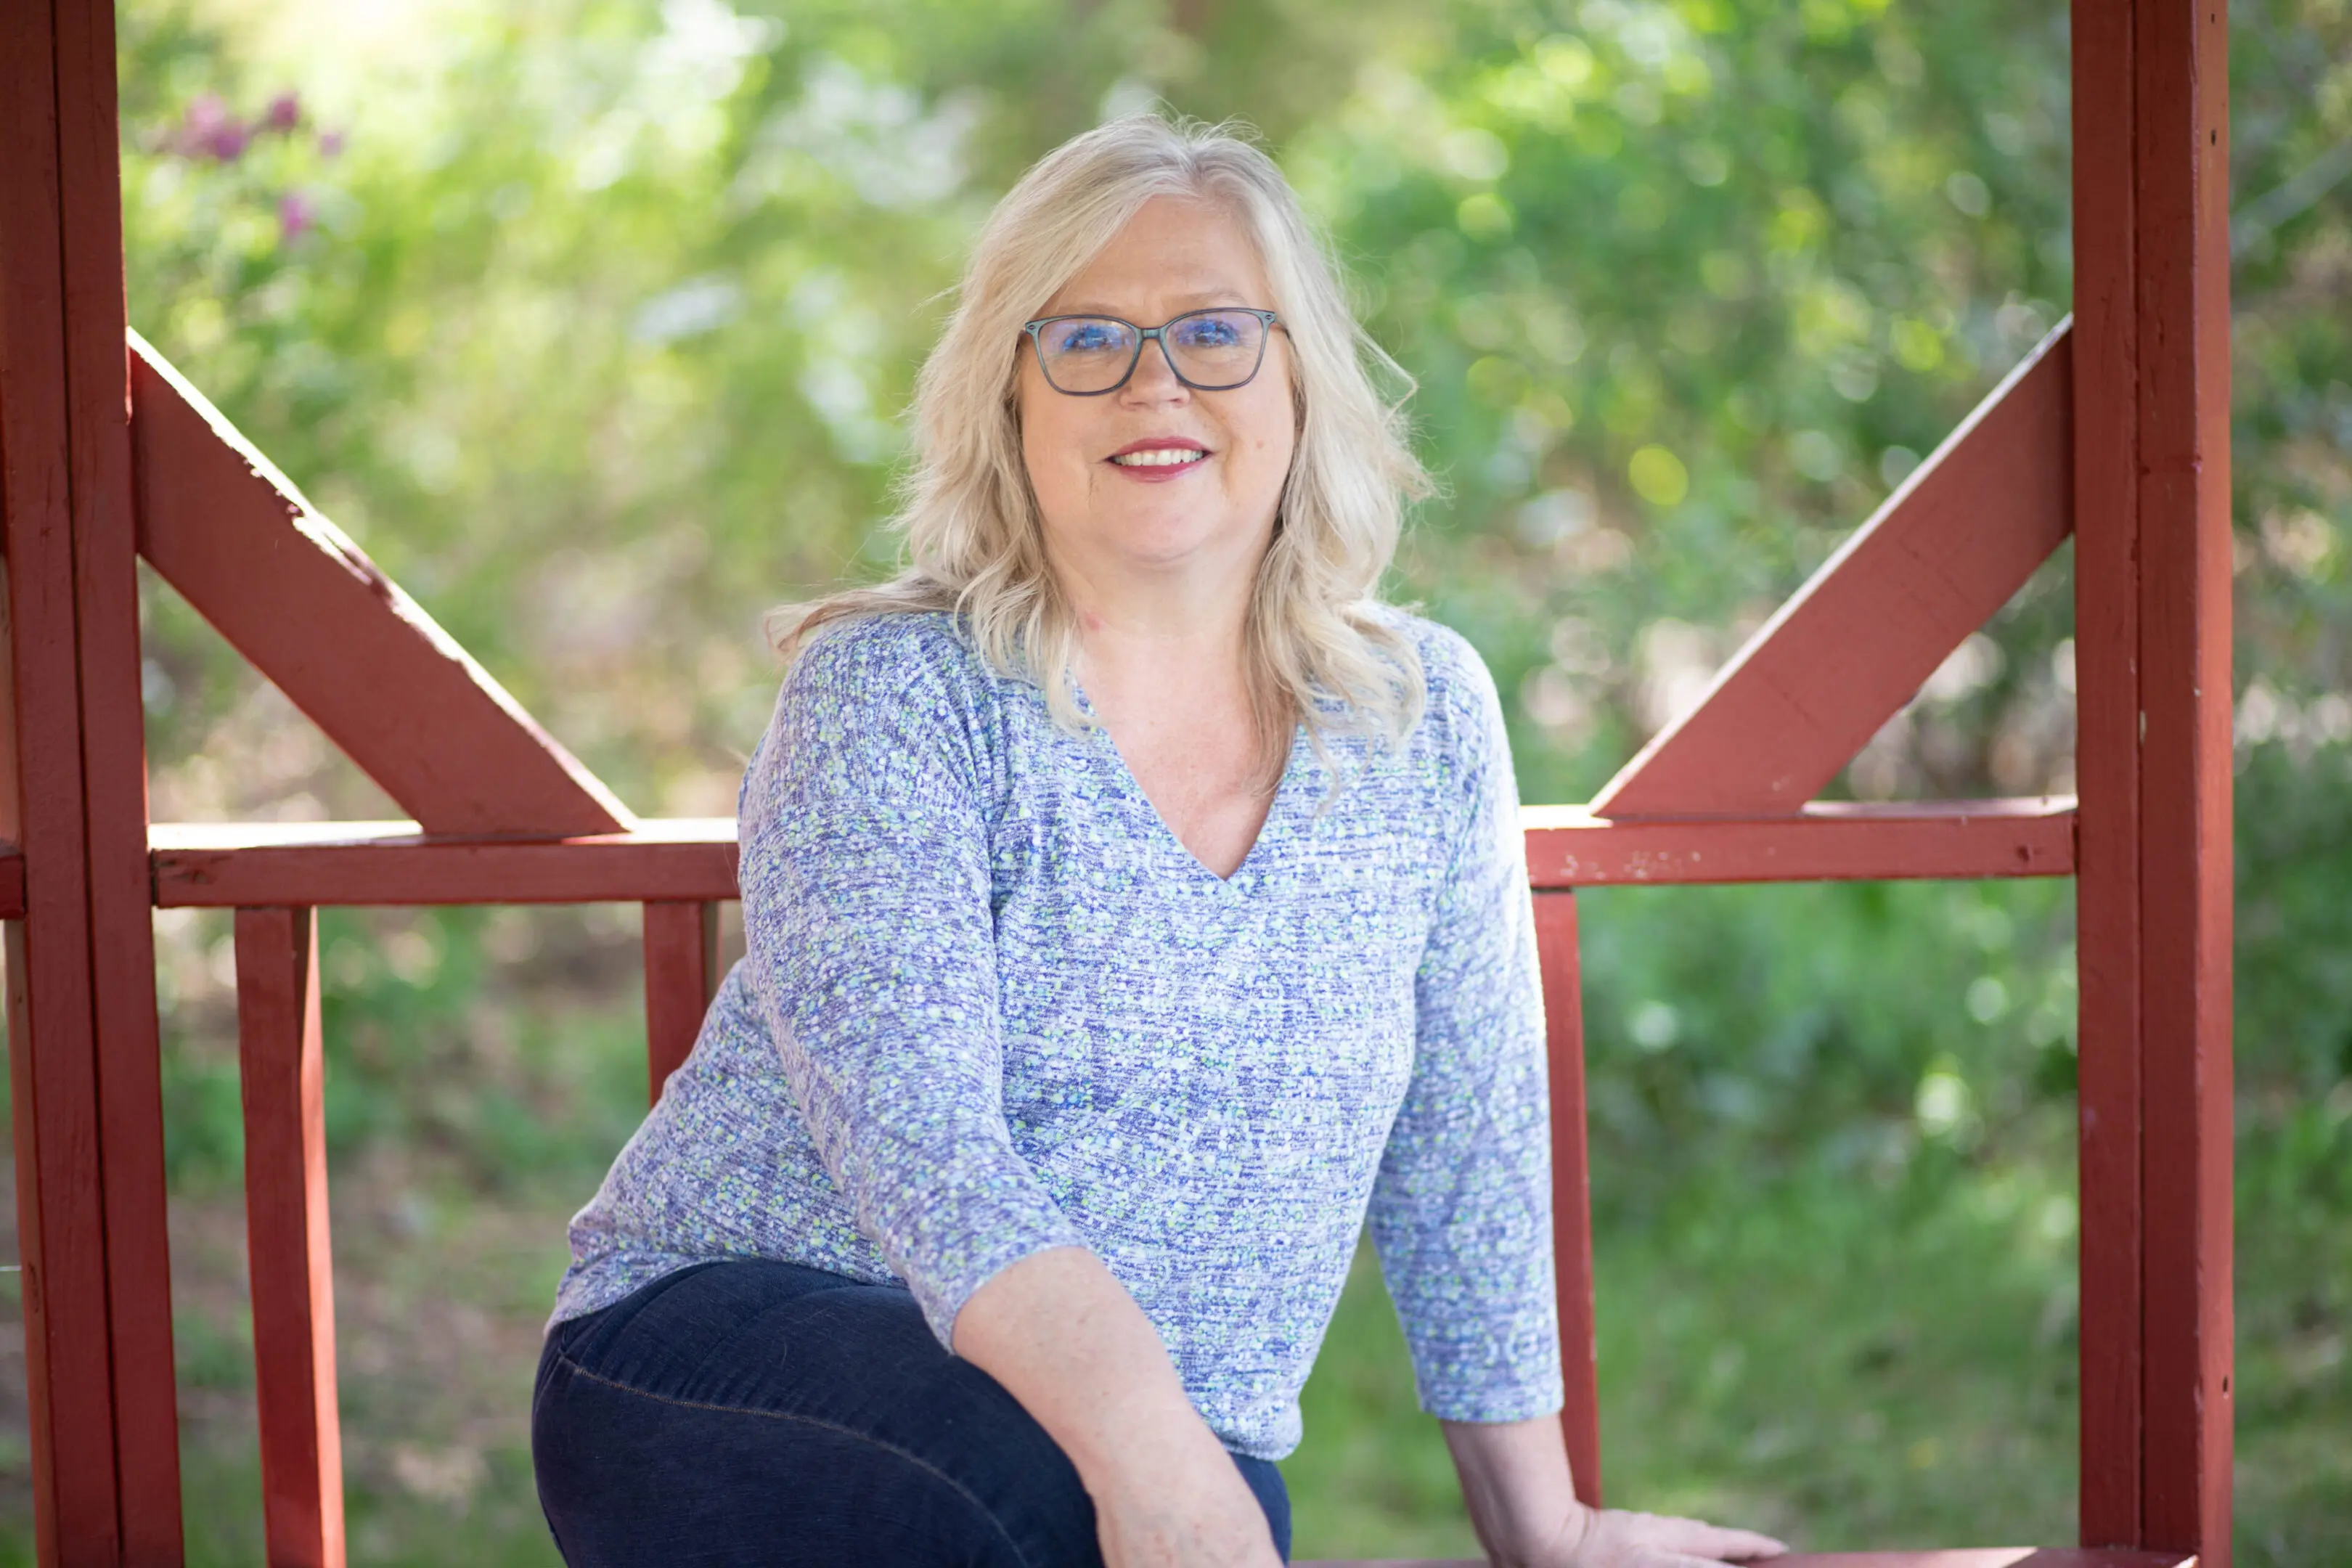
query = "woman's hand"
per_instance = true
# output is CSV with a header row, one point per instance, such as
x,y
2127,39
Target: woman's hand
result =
x,y
1515,1478
1208,1518
1067,1340
1613,1538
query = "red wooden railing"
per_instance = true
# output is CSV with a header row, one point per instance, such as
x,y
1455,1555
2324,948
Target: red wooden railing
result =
x,y
2114,429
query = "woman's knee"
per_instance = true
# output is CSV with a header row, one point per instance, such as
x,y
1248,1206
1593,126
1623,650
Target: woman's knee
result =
x,y
831,1413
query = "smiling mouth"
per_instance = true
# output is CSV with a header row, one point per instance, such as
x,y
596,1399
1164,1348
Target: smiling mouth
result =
x,y
1159,458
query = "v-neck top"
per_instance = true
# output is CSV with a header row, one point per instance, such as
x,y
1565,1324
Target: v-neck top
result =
x,y
990,1005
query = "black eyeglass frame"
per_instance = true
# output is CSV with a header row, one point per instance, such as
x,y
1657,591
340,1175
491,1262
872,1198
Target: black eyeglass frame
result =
x,y
1144,334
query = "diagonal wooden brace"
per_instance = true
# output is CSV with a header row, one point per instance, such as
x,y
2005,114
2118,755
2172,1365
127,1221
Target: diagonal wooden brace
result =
x,y
313,613
1951,546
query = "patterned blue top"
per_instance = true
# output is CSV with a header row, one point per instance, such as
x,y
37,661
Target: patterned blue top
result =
x,y
990,1005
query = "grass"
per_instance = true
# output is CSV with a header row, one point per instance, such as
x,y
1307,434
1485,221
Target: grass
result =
x,y
1800,1366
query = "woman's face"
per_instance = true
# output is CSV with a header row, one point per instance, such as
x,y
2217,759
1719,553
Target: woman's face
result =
x,y
1104,512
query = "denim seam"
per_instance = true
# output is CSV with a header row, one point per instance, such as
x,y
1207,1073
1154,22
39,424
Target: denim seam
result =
x,y
943,1476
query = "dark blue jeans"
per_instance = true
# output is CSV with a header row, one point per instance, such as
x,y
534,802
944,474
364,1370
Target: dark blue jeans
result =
x,y
759,1414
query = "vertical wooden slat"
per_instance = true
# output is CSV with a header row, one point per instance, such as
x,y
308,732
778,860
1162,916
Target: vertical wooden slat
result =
x,y
1571,1201
279,1054
2107,766
2180,122
681,976
138,1273
60,1179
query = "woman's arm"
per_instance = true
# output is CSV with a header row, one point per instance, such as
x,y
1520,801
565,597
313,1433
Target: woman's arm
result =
x,y
1068,1342
1515,1478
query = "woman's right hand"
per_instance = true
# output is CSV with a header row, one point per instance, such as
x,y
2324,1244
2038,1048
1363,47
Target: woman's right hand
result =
x,y
1195,1513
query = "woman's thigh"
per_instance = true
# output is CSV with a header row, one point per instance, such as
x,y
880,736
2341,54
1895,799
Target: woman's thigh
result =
x,y
759,1414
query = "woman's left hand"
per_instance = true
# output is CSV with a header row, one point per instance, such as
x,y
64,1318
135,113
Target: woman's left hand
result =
x,y
1615,1538
1522,1500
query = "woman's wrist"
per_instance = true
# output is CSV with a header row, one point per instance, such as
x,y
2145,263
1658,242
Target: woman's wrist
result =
x,y
1517,1485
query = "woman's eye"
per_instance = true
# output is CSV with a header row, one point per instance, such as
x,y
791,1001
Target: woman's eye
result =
x,y
1209,332
1087,337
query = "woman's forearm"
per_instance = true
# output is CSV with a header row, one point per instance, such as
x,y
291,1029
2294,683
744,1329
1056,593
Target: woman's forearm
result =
x,y
1068,1342
1064,1338
1517,1484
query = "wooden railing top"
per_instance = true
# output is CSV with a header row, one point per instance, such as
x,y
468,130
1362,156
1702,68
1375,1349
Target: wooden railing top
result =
x,y
253,865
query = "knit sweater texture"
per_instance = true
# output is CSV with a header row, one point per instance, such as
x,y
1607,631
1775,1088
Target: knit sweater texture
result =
x,y
990,1004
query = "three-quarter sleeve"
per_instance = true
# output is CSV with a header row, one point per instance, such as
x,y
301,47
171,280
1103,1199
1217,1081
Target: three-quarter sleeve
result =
x,y
870,950
1460,1211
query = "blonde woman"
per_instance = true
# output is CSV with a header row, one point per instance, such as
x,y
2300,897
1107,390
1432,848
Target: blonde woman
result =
x,y
1135,913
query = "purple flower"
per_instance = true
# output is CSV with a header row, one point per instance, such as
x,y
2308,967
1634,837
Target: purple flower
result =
x,y
285,113
296,215
331,144
209,130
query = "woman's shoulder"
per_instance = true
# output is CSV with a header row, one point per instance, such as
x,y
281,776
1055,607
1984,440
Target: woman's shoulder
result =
x,y
1460,691
894,654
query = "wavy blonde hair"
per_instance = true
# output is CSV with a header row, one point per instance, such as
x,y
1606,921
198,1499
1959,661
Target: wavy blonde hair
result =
x,y
1319,653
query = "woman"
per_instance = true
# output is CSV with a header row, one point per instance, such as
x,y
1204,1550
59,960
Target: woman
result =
x,y
1134,911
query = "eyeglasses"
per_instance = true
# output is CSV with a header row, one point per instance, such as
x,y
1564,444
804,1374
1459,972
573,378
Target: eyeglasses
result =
x,y
1209,351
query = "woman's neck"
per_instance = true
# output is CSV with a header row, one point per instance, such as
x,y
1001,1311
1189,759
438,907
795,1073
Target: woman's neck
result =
x,y
1168,675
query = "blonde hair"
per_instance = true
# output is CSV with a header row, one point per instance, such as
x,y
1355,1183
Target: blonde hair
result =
x,y
1319,652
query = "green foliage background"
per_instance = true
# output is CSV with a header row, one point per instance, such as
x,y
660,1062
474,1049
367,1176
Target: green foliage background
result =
x,y
590,318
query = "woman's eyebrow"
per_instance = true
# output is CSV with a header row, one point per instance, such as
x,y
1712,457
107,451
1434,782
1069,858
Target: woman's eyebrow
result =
x,y
1200,300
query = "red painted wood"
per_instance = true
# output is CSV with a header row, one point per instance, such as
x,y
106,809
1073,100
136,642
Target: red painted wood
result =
x,y
1571,1190
53,1033
1951,546
2107,767
692,859
12,859
12,818
2180,122
1828,841
681,977
228,865
280,1057
312,612
138,1248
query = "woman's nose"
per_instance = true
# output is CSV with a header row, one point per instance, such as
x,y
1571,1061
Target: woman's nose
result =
x,y
1154,380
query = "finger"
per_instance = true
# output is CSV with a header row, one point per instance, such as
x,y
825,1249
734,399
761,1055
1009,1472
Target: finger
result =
x,y
1692,1535
1745,1546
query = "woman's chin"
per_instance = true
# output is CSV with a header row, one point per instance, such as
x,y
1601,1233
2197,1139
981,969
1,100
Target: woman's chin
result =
x,y
1165,541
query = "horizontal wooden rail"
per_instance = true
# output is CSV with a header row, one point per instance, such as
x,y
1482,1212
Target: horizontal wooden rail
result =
x,y
1568,846
692,859
242,865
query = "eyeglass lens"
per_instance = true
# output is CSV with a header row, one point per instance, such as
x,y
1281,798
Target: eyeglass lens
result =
x,y
1211,350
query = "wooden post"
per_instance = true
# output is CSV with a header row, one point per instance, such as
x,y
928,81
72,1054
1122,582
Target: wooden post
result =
x,y
1571,1200
279,1056
681,977
2108,764
2152,661
89,1132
